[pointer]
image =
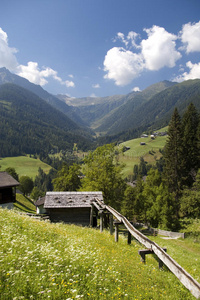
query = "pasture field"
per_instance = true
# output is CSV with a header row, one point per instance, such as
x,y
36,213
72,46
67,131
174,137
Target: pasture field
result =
x,y
42,260
149,151
24,165
25,204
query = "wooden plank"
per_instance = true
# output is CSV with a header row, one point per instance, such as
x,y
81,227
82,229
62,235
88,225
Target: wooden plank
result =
x,y
185,278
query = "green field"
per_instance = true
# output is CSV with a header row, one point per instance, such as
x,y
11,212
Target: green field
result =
x,y
24,204
24,165
149,151
42,260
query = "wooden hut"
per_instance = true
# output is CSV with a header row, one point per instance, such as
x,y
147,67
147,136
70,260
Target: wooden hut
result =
x,y
71,207
7,190
40,206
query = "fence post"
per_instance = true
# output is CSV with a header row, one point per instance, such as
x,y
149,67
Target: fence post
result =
x,y
111,223
116,231
101,220
129,238
91,215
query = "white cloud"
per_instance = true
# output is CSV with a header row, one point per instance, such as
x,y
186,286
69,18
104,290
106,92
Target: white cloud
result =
x,y
93,96
33,73
122,65
71,76
158,49
129,40
190,36
155,52
7,54
136,89
194,72
96,86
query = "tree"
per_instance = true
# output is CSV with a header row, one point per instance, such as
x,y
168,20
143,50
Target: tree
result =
x,y
128,204
36,193
68,178
26,184
102,172
190,144
190,201
13,173
173,154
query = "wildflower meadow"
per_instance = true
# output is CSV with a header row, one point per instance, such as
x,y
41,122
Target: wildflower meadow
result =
x,y
41,260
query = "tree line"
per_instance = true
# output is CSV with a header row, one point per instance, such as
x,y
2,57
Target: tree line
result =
x,y
170,191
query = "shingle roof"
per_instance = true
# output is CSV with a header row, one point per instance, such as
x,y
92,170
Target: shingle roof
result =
x,y
40,201
6,180
70,199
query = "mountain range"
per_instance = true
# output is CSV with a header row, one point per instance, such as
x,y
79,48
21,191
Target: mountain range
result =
x,y
31,119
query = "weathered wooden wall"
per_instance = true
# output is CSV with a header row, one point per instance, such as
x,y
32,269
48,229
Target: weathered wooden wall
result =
x,y
70,215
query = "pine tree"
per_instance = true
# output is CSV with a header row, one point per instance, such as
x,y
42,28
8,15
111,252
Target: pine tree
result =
x,y
173,157
190,144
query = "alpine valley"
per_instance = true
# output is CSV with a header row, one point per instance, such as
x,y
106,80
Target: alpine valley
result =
x,y
32,120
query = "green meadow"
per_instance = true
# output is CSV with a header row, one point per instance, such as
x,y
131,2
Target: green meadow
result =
x,y
42,260
149,151
24,165
23,203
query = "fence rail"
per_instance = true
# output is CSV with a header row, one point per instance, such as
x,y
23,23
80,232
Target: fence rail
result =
x,y
185,278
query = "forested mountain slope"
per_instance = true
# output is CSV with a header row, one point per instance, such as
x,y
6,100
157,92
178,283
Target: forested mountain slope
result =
x,y
122,118
155,111
30,125
7,77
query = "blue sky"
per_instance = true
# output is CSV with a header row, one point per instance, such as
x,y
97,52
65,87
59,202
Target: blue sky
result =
x,y
100,47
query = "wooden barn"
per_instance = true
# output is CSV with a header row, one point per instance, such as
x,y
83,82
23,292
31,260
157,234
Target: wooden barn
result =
x,y
7,190
71,207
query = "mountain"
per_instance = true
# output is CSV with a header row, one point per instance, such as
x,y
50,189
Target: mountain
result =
x,y
28,124
155,111
98,111
7,77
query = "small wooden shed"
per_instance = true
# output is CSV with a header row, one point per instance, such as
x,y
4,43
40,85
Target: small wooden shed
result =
x,y
71,207
40,206
7,190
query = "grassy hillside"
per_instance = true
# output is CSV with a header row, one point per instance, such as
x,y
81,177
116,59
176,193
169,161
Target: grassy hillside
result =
x,y
150,151
24,204
40,260
24,165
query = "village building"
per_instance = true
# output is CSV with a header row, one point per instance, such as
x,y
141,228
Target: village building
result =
x,y
40,206
72,207
7,190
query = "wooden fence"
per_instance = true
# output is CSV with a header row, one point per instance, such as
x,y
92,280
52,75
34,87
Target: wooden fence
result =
x,y
185,278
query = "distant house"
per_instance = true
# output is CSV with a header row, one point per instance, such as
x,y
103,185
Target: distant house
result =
x,y
144,135
142,143
7,190
40,206
71,207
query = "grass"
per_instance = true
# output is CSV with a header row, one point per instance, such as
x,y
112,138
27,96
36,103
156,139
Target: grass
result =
x,y
41,260
24,165
25,204
149,151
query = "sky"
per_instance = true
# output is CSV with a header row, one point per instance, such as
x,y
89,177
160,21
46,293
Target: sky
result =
x,y
98,48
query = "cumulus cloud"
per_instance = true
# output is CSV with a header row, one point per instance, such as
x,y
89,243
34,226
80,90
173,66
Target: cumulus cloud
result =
x,y
129,40
7,54
122,65
159,49
194,72
190,36
136,89
33,73
96,86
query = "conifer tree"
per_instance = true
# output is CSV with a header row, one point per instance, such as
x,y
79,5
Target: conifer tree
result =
x,y
173,157
190,144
